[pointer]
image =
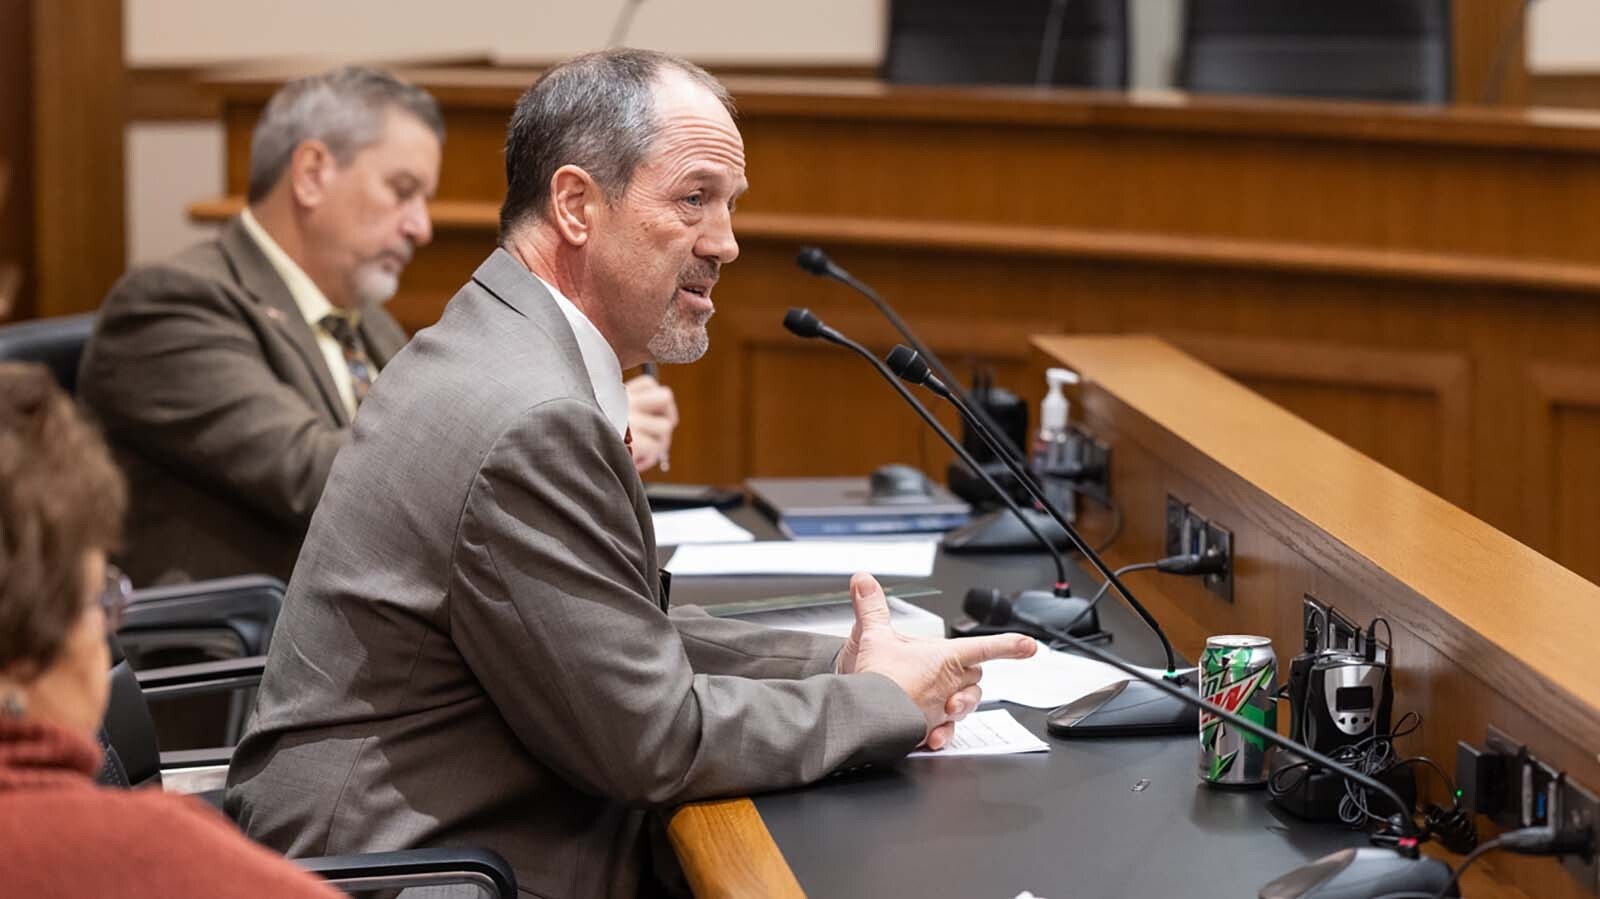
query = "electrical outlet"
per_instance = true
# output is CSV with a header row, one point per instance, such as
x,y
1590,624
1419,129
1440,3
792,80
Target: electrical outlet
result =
x,y
1577,808
1189,533
1505,782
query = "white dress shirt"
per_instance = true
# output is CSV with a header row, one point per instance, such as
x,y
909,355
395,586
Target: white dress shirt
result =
x,y
314,306
599,359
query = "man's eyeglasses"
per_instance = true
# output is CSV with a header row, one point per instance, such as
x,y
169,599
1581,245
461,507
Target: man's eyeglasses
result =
x,y
115,596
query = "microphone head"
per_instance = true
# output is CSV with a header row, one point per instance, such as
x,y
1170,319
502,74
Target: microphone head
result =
x,y
986,605
802,323
907,363
813,260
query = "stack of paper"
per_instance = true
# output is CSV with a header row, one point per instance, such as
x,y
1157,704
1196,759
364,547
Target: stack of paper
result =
x,y
884,559
705,525
992,732
1048,678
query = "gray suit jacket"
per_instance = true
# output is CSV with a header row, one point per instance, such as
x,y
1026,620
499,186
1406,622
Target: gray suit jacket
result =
x,y
220,408
474,650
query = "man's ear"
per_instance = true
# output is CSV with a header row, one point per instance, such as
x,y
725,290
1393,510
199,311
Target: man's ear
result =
x,y
575,201
311,169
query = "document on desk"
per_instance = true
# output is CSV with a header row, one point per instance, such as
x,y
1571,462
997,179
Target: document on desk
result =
x,y
991,732
1047,678
706,525
902,558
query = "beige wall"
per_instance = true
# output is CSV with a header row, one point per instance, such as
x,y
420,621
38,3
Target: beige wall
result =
x,y
181,32
1564,36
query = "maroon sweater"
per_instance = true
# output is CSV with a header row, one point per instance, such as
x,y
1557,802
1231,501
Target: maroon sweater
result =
x,y
62,835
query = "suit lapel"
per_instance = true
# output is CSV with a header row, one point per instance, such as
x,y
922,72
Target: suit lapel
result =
x,y
258,277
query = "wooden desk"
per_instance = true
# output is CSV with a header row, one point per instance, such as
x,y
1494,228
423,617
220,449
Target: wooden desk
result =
x,y
1486,631
1423,283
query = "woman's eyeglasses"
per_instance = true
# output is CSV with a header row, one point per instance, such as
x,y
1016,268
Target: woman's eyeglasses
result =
x,y
114,598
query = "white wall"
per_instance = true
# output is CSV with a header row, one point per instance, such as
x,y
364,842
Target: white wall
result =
x,y
1564,36
186,32
169,165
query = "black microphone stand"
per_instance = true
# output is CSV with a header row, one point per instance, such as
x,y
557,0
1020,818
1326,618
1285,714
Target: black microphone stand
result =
x,y
993,531
1122,709
1055,609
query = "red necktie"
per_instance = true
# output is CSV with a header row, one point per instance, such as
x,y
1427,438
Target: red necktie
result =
x,y
627,437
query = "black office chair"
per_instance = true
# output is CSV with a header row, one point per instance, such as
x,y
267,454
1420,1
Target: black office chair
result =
x,y
57,343
1002,42
202,621
1397,50
133,759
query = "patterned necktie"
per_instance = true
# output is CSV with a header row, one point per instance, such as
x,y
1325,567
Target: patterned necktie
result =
x,y
354,356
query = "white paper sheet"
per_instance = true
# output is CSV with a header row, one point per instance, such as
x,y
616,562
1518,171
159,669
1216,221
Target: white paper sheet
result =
x,y
991,732
837,619
705,525
897,559
1047,678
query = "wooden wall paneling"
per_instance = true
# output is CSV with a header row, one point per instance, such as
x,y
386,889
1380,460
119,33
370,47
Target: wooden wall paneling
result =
x,y
78,152
1409,408
16,156
1490,47
1562,483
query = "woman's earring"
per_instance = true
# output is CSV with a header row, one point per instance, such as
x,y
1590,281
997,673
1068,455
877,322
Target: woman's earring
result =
x,y
12,705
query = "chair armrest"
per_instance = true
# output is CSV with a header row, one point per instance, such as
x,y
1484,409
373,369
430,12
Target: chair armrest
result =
x,y
202,677
247,605
196,771
416,868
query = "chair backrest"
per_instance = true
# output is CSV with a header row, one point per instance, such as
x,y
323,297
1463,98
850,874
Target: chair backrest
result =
x,y
57,343
128,735
1356,49
1000,42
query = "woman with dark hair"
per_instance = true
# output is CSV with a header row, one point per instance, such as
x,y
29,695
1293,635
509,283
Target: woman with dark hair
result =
x,y
61,508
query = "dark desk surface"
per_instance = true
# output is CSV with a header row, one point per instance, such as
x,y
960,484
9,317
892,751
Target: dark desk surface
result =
x,y
1069,824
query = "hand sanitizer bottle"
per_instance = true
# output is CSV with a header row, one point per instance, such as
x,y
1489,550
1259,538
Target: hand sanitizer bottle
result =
x,y
1052,445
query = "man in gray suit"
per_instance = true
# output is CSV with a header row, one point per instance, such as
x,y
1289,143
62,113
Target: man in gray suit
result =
x,y
476,648
226,378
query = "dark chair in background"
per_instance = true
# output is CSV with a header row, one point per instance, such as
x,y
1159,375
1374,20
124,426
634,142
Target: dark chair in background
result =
x,y
133,759
205,621
1003,41
57,343
1395,50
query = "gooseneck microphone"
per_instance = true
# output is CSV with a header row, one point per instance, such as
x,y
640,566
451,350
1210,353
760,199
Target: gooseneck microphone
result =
x,y
910,367
1376,872
815,261
804,323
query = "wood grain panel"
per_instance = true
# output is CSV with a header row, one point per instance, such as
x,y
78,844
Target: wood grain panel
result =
x,y
1410,409
727,853
78,160
16,154
1562,428
1486,630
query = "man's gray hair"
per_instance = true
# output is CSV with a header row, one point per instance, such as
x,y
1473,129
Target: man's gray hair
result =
x,y
343,108
594,111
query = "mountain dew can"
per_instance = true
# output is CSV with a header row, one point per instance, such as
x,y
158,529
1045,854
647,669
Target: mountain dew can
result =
x,y
1239,673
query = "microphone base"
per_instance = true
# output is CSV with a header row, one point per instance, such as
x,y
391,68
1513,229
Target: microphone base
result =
x,y
1130,708
1361,874
1000,532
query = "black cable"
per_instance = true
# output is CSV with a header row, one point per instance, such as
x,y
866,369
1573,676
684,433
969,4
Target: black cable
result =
x,y
1482,850
1115,509
1101,592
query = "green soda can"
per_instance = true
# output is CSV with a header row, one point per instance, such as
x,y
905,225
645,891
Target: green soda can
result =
x,y
1238,672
